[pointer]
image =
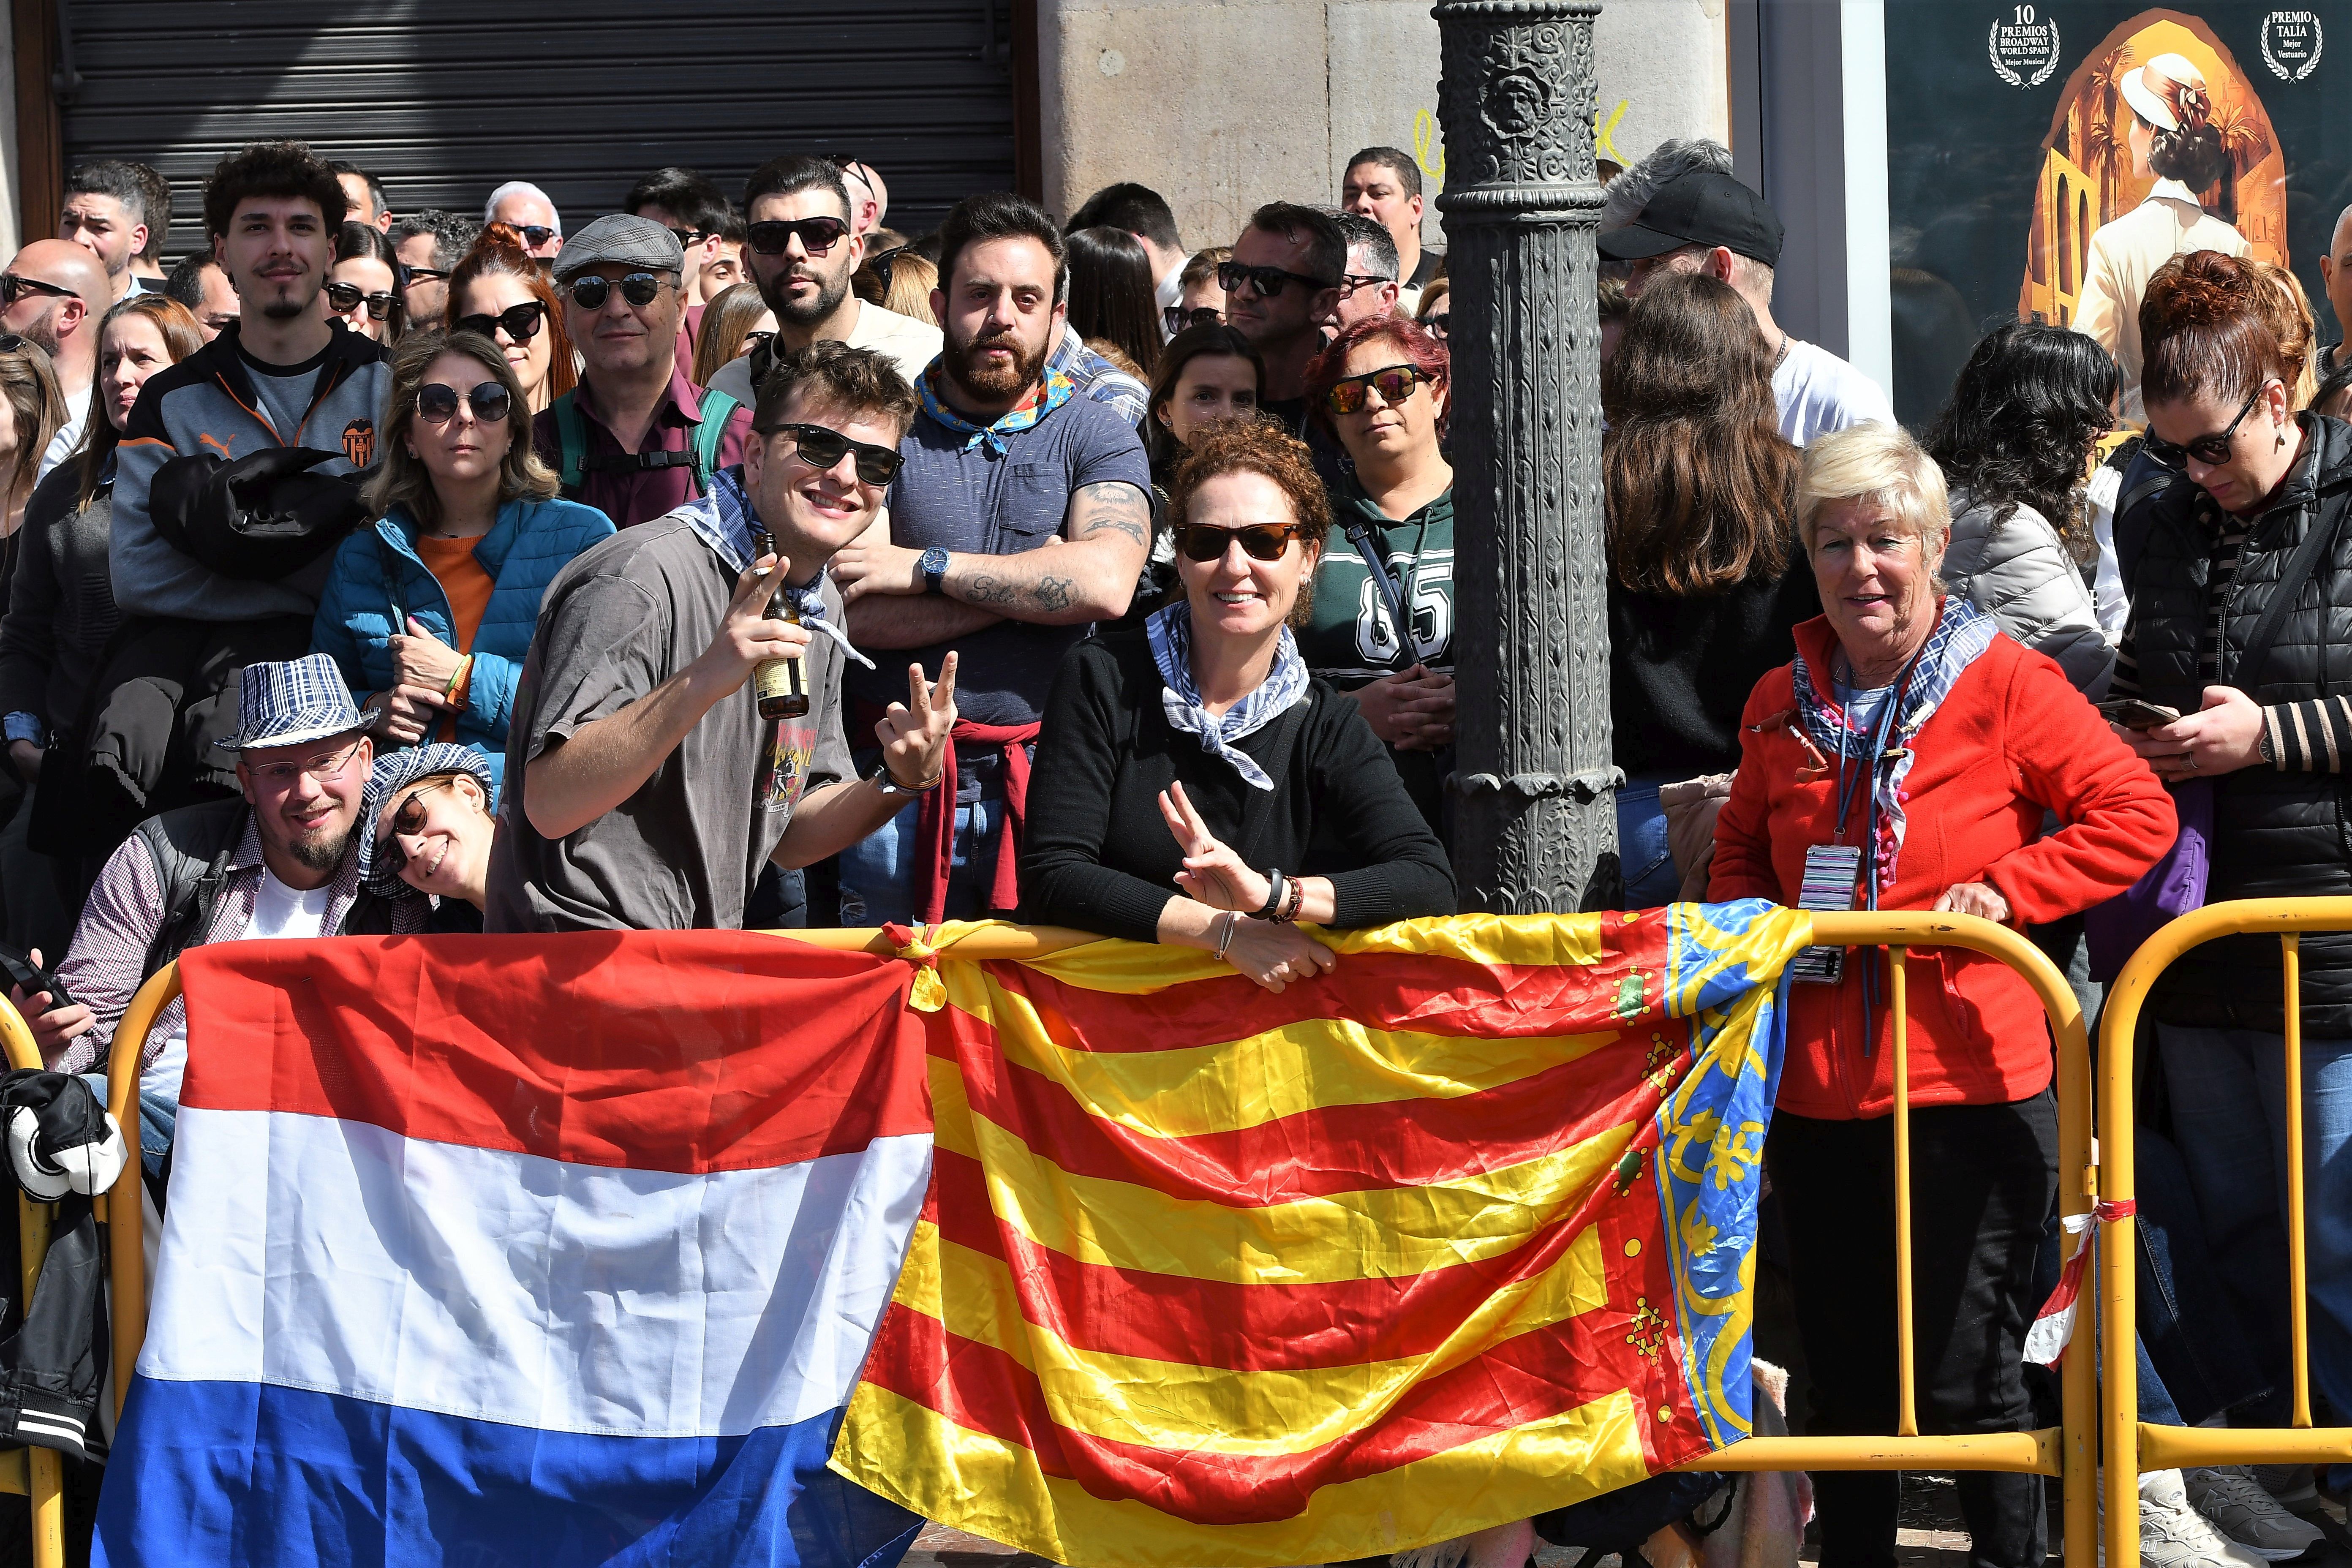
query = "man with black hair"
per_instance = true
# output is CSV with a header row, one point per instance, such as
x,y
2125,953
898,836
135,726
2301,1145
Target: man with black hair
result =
x,y
1369,288
147,267
683,201
801,246
363,195
1021,516
1281,286
198,283
1145,213
105,212
1383,184
429,245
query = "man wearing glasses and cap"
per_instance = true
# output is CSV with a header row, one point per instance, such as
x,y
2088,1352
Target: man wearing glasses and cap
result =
x,y
282,862
1708,222
636,438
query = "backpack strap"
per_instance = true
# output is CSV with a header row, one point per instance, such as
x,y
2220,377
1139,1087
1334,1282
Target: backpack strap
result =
x,y
718,408
574,464
571,435
191,887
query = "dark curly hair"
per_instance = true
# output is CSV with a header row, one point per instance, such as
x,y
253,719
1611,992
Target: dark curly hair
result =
x,y
2023,416
1259,447
272,169
2194,157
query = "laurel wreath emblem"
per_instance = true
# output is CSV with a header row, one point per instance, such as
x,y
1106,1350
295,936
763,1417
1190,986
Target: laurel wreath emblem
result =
x,y
2318,43
1992,53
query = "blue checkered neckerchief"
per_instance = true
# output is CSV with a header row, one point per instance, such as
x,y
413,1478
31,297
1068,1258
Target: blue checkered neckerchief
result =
x,y
1049,394
735,519
1285,686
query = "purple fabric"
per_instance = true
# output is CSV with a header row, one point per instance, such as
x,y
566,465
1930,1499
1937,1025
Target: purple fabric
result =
x,y
2172,887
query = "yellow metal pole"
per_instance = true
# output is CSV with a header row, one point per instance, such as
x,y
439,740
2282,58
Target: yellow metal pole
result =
x,y
986,942
1906,1415
125,1244
2298,1312
46,1467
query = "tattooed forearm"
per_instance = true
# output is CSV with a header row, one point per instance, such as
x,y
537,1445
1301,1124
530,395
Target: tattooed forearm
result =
x,y
1053,594
985,590
1111,508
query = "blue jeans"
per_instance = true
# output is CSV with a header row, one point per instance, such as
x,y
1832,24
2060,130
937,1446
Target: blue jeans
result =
x,y
1642,855
2228,1111
877,872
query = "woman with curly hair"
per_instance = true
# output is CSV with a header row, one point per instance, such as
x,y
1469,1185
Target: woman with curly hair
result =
x,y
1193,783
2015,445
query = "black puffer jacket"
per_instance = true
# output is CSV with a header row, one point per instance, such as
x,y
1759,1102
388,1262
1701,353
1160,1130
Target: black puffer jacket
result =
x,y
2275,835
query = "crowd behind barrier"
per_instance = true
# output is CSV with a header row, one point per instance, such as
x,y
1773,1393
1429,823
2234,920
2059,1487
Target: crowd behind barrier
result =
x,y
697,567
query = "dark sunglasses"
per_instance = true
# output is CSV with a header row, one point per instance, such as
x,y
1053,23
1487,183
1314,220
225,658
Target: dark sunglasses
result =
x,y
1351,282
521,321
1263,541
1394,383
409,819
822,448
757,336
1267,281
590,291
1435,325
881,265
688,238
535,234
416,275
1177,317
345,297
437,403
2208,449
14,286
816,234
11,343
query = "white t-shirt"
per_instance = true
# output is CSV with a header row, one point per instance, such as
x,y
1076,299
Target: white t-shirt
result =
x,y
278,912
2107,595
913,344
1819,392
69,436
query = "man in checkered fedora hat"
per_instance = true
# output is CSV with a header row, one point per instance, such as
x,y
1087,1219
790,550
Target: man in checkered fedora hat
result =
x,y
282,862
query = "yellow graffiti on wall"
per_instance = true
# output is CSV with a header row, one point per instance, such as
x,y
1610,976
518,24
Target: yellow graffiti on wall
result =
x,y
1602,145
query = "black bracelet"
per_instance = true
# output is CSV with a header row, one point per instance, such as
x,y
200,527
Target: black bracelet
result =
x,y
1275,885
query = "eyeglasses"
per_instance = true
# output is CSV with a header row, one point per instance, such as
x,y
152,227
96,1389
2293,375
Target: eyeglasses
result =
x,y
437,403
282,776
590,291
1435,325
409,819
1267,281
521,322
1178,317
536,234
1351,282
822,448
1262,541
816,234
1394,383
345,297
14,286
2207,449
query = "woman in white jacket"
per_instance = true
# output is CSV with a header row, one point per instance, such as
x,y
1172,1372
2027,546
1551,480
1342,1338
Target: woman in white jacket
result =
x,y
2015,446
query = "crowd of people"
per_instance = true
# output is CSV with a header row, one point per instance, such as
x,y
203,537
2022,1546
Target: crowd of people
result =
x,y
728,563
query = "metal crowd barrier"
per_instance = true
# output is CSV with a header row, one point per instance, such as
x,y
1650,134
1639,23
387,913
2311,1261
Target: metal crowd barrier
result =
x,y
2064,1451
2158,1448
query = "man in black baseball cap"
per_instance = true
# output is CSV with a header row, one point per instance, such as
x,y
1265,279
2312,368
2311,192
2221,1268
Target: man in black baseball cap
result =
x,y
1706,222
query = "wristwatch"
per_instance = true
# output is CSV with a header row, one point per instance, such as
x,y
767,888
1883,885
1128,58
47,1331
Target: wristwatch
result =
x,y
934,562
881,780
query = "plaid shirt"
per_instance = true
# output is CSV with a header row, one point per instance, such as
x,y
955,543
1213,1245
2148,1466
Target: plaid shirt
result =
x,y
126,909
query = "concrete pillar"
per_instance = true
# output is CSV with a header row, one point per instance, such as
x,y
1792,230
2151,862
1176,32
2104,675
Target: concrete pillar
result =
x,y
1537,827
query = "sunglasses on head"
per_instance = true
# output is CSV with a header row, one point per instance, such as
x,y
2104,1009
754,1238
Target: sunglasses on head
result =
x,y
2207,449
590,291
14,286
816,234
881,265
521,322
1268,281
1262,541
345,297
1178,317
1394,383
437,403
407,818
822,448
535,234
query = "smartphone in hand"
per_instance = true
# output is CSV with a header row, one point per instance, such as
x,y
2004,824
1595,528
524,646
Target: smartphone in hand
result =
x,y
2134,714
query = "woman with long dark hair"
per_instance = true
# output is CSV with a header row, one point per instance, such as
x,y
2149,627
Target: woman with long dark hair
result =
x,y
1111,294
1704,584
362,283
2015,445
1206,374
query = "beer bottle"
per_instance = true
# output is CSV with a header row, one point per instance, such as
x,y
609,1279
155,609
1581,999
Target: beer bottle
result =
x,y
781,684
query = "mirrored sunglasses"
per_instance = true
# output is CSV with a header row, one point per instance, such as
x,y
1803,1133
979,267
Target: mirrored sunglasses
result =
x,y
1394,383
589,291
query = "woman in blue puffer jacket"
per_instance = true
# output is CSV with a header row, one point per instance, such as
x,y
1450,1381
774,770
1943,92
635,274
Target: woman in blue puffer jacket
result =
x,y
429,611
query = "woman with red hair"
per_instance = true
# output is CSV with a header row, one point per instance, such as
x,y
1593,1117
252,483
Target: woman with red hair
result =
x,y
1383,623
500,292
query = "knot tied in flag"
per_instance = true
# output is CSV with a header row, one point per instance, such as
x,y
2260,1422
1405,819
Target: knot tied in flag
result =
x,y
930,992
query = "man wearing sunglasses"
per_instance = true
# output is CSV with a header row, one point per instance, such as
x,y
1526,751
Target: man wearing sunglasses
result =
x,y
1369,287
636,438
428,246
801,248
528,208
687,204
1281,286
649,793
55,293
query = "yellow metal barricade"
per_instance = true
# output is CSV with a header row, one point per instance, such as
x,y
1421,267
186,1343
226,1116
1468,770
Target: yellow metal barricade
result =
x,y
2155,1448
2064,1451
35,1473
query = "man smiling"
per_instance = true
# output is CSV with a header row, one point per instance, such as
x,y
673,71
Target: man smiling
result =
x,y
643,788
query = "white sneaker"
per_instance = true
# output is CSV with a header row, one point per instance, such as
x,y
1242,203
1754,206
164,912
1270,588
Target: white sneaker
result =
x,y
2174,1535
2235,1501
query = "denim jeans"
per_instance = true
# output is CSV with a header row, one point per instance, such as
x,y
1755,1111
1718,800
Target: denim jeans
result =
x,y
877,872
2190,1336
1642,855
2229,1110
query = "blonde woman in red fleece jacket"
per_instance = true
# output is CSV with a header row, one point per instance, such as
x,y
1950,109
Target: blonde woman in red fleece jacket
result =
x,y
1912,748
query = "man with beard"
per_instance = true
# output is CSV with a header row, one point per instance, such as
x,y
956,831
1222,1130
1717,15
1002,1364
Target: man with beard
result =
x,y
281,861
55,293
802,251
1021,517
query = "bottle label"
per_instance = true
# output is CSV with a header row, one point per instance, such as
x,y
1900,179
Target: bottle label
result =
x,y
778,677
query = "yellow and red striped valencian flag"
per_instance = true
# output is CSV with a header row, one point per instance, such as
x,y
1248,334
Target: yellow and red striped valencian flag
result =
x,y
1207,1276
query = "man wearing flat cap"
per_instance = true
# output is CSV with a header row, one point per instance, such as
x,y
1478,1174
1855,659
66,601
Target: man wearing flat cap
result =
x,y
1708,222
636,438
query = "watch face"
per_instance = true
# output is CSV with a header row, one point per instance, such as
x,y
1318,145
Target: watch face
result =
x,y
934,560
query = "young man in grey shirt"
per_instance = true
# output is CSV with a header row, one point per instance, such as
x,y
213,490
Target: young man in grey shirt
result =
x,y
650,793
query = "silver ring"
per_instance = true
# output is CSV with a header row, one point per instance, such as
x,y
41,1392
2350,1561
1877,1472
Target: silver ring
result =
x,y
2192,764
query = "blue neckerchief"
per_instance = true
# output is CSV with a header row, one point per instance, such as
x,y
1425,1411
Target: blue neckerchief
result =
x,y
731,510
1170,634
1049,394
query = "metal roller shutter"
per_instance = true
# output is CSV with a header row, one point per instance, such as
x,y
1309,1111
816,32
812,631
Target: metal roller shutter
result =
x,y
444,101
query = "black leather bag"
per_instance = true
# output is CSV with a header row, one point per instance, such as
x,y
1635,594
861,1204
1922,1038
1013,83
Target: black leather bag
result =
x,y
257,518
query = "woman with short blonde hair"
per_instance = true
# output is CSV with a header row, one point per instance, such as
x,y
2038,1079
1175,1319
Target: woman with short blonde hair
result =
x,y
429,613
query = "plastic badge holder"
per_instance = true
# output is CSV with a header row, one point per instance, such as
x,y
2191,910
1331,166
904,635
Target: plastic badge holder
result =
x,y
1831,870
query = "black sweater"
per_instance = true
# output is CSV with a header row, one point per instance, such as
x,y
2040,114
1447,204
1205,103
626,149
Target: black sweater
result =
x,y
1680,669
1099,857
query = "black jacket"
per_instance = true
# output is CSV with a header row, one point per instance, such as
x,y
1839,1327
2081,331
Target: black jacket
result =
x,y
2275,835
